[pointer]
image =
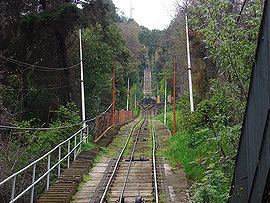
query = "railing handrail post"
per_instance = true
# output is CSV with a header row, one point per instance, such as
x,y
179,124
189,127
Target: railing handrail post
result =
x,y
13,188
68,152
48,176
75,148
33,180
59,158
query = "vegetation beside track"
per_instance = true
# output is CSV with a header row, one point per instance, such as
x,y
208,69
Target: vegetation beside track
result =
x,y
205,144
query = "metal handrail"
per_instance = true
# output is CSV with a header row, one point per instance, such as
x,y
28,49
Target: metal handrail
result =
x,y
13,176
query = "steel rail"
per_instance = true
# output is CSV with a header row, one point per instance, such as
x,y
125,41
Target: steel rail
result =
x,y
130,162
154,162
117,163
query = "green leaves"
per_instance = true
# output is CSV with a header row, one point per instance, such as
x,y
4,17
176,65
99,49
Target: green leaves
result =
x,y
231,45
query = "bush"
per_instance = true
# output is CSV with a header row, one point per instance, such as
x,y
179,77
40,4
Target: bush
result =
x,y
205,145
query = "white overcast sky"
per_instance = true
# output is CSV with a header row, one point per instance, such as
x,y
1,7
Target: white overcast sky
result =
x,y
153,14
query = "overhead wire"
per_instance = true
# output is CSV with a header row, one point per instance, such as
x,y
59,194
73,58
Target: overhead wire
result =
x,y
60,127
40,89
40,68
242,9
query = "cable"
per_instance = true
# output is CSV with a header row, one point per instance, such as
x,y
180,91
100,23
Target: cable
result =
x,y
17,128
60,127
49,88
100,114
41,68
242,9
108,83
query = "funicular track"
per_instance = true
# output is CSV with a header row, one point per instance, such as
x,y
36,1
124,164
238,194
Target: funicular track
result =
x,y
132,176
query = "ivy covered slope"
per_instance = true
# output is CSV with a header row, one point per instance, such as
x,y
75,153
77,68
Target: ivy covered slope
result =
x,y
222,52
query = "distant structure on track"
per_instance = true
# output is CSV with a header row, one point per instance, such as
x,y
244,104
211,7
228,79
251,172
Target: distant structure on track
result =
x,y
251,181
147,83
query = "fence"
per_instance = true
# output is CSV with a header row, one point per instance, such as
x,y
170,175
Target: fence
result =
x,y
104,121
54,159
71,141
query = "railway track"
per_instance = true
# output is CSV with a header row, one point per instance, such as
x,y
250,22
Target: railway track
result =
x,y
132,177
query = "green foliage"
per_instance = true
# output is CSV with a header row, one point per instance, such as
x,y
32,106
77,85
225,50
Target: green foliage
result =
x,y
205,145
149,38
213,187
33,144
87,146
231,44
104,48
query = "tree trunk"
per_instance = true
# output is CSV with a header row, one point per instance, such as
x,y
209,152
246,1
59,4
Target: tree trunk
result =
x,y
64,74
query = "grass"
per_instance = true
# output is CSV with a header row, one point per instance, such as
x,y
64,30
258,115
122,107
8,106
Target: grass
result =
x,y
179,152
88,146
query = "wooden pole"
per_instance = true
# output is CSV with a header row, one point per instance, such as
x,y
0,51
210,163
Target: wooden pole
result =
x,y
165,101
113,94
174,99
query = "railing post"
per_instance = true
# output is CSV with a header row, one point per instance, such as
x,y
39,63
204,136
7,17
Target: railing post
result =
x,y
13,188
59,158
118,116
113,94
68,152
80,141
75,147
87,132
96,134
101,125
48,176
33,180
105,122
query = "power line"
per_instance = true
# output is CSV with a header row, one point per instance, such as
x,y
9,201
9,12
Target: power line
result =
x,y
40,89
17,128
60,127
100,114
40,68
242,9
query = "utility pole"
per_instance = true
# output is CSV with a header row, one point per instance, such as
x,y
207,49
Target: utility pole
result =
x,y
135,101
165,102
113,93
82,82
157,90
189,70
131,9
174,98
128,94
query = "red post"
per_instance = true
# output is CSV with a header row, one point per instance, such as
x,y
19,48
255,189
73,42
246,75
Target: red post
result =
x,y
101,124
115,117
119,116
96,127
105,121
174,99
113,93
